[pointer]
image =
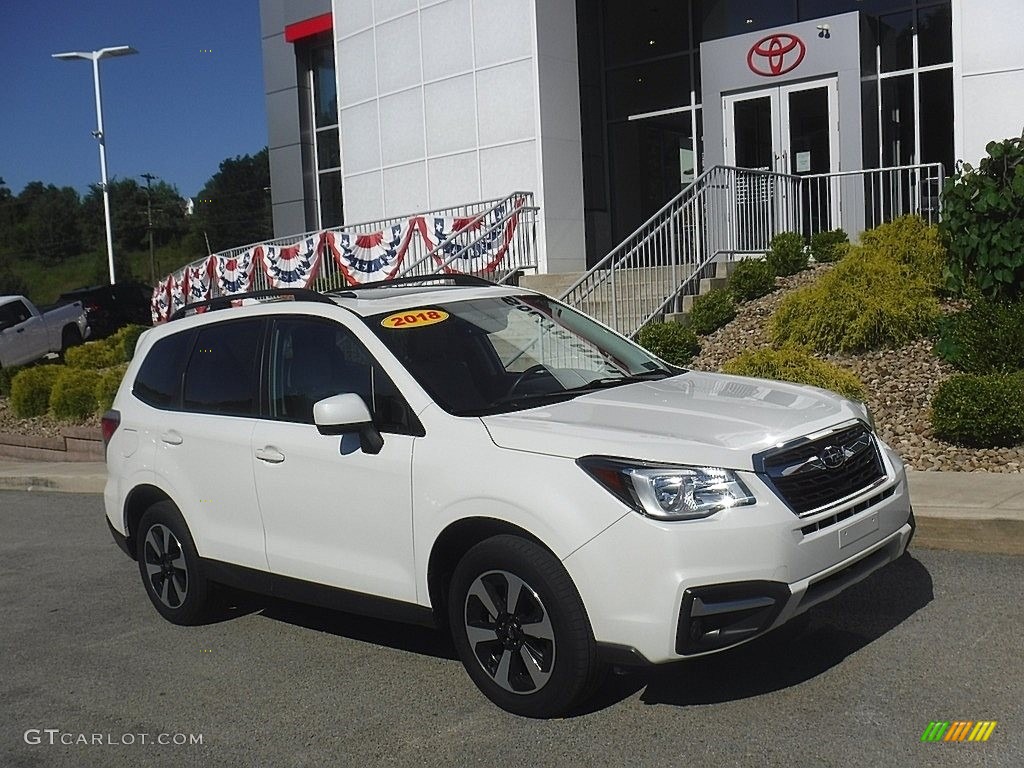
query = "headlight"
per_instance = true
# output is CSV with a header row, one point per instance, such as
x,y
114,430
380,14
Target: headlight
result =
x,y
668,492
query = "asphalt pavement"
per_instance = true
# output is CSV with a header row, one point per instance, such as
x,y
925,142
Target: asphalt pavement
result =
x,y
87,660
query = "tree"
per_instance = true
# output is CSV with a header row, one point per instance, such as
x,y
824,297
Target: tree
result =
x,y
127,216
47,222
233,208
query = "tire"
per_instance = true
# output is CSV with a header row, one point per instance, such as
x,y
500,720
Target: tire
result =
x,y
70,337
512,603
169,566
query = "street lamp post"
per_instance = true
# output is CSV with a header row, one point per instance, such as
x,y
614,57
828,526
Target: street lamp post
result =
x,y
94,57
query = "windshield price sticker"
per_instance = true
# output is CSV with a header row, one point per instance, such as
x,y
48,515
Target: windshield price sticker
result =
x,y
414,318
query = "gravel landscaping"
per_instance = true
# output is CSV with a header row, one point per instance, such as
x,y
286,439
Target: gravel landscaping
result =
x,y
900,382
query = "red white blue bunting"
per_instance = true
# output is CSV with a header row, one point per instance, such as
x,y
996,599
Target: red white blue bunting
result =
x,y
293,266
161,302
485,253
234,273
198,281
370,257
178,285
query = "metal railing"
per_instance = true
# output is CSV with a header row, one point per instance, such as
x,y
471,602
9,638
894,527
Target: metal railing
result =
x,y
516,212
728,212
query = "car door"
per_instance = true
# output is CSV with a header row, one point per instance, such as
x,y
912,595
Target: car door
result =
x,y
332,513
20,335
204,449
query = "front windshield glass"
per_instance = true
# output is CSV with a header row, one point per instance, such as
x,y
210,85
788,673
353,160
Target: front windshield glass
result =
x,y
498,354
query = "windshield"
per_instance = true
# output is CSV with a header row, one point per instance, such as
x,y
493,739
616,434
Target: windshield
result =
x,y
493,355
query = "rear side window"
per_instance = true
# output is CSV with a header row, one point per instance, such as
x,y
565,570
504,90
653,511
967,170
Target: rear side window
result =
x,y
159,381
221,375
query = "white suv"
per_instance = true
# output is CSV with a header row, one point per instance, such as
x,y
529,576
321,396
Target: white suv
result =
x,y
487,460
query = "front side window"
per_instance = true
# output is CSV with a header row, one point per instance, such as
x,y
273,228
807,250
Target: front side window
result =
x,y
506,353
13,313
312,359
159,381
221,375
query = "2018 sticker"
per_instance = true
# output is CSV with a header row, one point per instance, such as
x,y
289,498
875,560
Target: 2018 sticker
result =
x,y
414,318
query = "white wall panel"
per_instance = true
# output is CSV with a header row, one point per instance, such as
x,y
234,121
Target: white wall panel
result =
x,y
355,60
360,139
505,98
508,168
401,120
453,180
364,197
351,16
450,109
386,9
398,54
447,42
502,30
405,188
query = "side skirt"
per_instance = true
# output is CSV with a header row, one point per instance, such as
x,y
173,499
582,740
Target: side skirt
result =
x,y
333,598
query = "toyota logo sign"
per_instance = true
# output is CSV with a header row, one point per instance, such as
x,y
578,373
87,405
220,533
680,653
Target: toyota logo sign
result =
x,y
776,55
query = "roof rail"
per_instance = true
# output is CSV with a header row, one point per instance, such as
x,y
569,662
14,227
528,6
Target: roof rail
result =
x,y
454,279
269,294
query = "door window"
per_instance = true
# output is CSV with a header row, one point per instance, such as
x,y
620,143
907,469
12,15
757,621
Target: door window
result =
x,y
13,313
311,359
159,381
221,373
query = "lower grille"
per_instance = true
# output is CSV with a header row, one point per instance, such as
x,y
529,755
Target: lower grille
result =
x,y
820,472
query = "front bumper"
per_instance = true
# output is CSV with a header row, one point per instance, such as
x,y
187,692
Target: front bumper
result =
x,y
675,590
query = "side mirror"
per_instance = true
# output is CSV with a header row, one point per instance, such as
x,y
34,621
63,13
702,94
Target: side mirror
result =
x,y
343,414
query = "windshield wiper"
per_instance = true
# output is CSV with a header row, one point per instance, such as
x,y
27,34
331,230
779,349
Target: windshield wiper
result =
x,y
614,381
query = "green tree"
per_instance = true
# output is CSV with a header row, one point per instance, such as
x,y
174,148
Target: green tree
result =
x,y
46,222
233,207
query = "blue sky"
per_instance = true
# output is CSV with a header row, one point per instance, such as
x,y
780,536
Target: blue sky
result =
x,y
172,110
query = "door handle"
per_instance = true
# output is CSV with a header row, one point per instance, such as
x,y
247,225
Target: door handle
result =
x,y
269,454
172,438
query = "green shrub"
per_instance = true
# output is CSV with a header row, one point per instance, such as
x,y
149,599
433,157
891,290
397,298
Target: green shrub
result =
x,y
6,377
107,385
93,355
867,301
786,254
983,222
711,311
986,338
797,366
30,390
751,279
910,242
74,393
125,340
829,246
983,411
672,342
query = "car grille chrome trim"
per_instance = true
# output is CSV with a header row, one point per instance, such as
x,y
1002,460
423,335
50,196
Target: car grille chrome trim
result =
x,y
817,474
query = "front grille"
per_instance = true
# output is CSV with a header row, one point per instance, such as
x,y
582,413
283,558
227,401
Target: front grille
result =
x,y
820,472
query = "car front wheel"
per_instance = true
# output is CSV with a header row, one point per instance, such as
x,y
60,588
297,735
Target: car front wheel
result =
x,y
520,628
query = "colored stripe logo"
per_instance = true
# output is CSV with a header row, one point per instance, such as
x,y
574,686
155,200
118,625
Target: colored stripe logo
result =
x,y
959,730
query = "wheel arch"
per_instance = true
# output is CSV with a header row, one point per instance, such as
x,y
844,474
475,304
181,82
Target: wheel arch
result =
x,y
452,543
141,498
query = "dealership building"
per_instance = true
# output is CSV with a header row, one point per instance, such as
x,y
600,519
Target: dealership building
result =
x,y
606,110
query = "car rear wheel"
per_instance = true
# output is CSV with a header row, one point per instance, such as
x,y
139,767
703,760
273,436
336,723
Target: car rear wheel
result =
x,y
520,628
169,565
70,337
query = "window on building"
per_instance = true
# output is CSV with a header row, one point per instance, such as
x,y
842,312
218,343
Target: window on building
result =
x,y
318,94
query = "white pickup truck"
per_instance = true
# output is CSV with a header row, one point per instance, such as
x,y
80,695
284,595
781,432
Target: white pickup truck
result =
x,y
27,334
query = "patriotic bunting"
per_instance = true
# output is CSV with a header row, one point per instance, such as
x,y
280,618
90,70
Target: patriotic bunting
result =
x,y
371,257
161,302
487,237
198,281
178,287
234,273
292,266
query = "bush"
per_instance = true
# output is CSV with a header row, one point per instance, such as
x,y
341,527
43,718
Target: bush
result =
x,y
867,301
125,340
672,342
983,222
829,246
711,311
751,279
6,377
786,254
797,366
911,243
107,385
74,393
981,411
30,390
987,338
92,355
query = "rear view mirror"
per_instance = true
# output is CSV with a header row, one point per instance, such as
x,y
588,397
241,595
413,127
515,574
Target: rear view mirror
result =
x,y
343,414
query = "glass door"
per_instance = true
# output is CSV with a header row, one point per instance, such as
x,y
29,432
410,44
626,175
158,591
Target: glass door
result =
x,y
809,131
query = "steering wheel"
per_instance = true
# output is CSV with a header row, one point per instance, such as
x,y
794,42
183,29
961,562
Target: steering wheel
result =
x,y
533,370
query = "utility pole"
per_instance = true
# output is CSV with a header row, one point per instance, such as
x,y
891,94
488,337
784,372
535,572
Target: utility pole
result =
x,y
149,216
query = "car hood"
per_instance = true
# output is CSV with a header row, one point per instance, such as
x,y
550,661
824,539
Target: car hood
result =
x,y
694,418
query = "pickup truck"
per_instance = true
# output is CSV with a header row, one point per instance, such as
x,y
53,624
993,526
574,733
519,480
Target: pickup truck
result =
x,y
28,333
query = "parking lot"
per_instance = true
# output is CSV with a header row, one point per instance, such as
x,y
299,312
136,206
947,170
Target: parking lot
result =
x,y
936,636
